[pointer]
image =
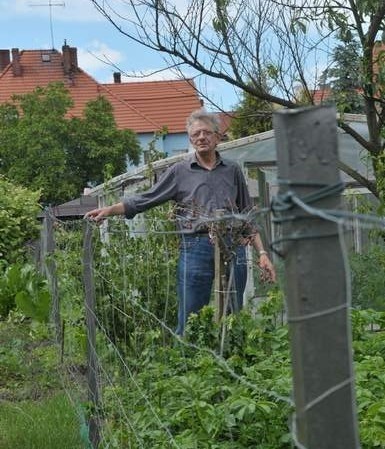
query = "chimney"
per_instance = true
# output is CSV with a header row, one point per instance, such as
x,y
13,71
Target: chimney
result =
x,y
117,77
66,59
16,66
70,59
74,57
5,59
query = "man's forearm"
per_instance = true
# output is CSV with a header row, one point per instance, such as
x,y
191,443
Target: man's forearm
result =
x,y
258,245
116,209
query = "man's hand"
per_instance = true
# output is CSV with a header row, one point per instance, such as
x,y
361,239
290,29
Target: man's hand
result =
x,y
97,215
267,269
101,213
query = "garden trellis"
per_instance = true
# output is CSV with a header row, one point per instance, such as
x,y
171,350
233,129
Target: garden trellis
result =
x,y
225,384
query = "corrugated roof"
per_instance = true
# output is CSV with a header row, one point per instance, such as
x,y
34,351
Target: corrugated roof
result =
x,y
140,106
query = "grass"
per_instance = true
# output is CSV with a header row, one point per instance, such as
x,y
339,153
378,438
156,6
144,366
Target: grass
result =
x,y
45,424
35,411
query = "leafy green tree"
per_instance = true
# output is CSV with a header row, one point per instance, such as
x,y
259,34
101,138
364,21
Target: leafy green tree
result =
x,y
252,116
42,148
34,153
344,76
95,143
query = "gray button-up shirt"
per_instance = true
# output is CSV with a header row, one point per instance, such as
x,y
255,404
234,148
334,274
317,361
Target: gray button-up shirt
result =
x,y
197,191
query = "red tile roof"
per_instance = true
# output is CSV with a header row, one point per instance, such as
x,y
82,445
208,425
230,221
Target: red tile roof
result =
x,y
140,106
321,95
225,119
162,103
41,67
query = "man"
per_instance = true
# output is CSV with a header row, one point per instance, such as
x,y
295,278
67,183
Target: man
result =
x,y
201,185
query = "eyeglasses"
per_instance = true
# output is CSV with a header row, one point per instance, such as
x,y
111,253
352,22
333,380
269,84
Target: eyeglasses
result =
x,y
202,133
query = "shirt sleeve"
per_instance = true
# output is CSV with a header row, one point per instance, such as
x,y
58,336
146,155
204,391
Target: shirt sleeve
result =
x,y
162,191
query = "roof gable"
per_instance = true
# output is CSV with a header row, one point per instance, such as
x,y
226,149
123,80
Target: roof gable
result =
x,y
41,67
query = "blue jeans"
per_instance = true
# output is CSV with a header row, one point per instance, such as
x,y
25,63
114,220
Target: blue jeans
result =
x,y
195,275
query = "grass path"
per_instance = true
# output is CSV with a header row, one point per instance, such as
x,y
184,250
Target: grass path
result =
x,y
43,424
35,412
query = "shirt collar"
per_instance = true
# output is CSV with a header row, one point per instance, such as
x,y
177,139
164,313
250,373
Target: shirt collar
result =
x,y
194,160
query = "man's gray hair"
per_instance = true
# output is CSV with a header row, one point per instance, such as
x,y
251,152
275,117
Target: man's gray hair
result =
x,y
207,117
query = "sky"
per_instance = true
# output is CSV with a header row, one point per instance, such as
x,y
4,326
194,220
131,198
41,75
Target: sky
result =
x,y
102,50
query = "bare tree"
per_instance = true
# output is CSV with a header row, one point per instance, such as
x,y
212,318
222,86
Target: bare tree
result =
x,y
270,49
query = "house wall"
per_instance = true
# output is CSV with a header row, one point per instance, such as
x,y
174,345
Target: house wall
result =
x,y
171,144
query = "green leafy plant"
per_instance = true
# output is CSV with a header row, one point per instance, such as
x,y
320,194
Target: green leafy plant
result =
x,y
24,287
200,398
368,281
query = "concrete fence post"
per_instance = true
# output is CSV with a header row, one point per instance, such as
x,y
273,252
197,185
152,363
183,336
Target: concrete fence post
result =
x,y
316,287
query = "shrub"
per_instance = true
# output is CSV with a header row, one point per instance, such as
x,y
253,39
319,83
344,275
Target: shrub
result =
x,y
18,223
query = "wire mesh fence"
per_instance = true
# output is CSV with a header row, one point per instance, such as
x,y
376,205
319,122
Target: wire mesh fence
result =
x,y
225,383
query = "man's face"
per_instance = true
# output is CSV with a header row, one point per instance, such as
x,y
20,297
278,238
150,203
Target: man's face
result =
x,y
203,137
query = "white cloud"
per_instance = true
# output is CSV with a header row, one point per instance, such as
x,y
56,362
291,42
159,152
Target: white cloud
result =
x,y
98,56
157,74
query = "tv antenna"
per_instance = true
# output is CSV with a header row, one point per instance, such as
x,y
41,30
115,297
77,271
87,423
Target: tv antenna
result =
x,y
50,4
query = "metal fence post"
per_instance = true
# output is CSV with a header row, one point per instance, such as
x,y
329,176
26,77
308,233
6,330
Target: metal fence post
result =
x,y
315,280
49,267
92,365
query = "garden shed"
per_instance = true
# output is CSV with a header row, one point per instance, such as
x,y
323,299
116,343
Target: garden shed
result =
x,y
257,156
